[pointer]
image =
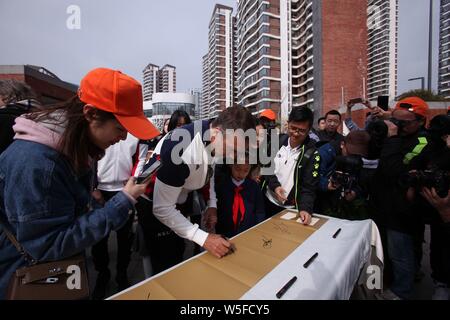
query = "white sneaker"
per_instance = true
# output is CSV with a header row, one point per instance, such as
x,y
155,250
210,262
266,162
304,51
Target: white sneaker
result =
x,y
387,295
441,291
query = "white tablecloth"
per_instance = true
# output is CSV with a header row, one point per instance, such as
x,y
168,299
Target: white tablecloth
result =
x,y
334,272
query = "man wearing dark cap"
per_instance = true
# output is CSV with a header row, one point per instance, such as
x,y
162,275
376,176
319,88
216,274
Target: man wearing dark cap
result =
x,y
339,160
403,144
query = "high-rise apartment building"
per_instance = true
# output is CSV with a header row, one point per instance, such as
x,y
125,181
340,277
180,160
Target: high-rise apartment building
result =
x,y
197,93
158,79
301,53
444,49
204,111
218,64
167,79
382,41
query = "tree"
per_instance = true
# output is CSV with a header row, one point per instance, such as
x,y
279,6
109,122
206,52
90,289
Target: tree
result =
x,y
427,95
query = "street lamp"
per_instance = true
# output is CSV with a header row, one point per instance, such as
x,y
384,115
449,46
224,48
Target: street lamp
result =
x,y
422,79
430,45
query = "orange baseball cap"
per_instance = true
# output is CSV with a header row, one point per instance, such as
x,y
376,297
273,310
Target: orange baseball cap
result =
x,y
414,105
269,114
115,92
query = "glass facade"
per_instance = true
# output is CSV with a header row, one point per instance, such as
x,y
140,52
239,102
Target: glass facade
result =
x,y
167,108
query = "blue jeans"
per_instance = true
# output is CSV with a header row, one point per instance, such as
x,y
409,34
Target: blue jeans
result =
x,y
401,254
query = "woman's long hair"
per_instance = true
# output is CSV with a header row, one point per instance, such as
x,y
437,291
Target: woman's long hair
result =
x,y
75,142
176,115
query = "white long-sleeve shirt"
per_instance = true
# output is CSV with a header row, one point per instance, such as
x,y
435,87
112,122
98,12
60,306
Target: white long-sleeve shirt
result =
x,y
175,181
121,161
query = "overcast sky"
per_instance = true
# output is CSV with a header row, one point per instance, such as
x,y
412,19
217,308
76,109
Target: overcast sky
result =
x,y
127,35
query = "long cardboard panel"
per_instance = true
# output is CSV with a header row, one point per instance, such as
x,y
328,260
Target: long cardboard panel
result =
x,y
258,251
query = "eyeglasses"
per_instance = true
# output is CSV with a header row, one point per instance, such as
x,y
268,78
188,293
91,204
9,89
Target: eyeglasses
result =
x,y
298,130
402,123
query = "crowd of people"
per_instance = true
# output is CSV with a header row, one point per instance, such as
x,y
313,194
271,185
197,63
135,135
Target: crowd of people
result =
x,y
68,177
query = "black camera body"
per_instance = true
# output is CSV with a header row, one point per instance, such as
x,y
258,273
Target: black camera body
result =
x,y
435,178
343,180
346,173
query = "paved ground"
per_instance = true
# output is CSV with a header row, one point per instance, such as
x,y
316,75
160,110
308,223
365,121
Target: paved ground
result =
x,y
423,289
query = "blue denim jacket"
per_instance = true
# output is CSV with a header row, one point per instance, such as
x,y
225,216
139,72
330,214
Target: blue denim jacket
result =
x,y
46,207
327,165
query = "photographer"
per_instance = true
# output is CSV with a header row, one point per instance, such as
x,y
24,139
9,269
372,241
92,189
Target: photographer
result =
x,y
442,205
430,177
403,144
341,194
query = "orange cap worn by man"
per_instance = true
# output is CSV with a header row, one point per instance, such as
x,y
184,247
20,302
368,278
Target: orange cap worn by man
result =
x,y
112,91
269,114
414,105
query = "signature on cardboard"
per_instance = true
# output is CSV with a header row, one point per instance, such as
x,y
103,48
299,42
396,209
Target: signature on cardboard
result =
x,y
267,243
280,226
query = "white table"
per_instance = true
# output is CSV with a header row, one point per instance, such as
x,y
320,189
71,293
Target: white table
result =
x,y
335,271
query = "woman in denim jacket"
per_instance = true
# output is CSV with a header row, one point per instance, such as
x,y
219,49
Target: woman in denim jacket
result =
x,y
46,175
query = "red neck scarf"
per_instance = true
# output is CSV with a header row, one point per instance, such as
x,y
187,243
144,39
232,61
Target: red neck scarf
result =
x,y
238,205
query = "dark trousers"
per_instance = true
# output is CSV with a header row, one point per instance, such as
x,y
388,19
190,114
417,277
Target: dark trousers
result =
x,y
100,252
419,239
440,253
401,253
163,246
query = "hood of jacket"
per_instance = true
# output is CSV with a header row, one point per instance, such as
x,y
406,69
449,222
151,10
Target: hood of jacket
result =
x,y
47,132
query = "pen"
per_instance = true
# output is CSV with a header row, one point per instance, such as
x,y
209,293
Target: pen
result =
x,y
231,246
336,233
286,287
306,265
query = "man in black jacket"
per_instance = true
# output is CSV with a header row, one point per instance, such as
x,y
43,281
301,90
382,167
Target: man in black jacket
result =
x,y
330,133
295,180
430,178
403,144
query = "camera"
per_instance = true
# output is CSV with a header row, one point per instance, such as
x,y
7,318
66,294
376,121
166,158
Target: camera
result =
x,y
343,180
356,100
347,171
435,178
